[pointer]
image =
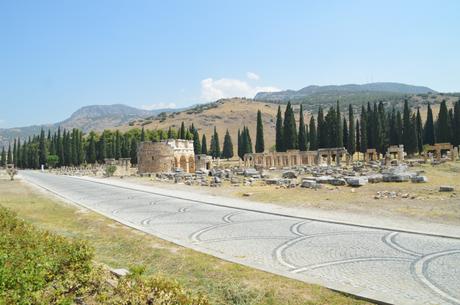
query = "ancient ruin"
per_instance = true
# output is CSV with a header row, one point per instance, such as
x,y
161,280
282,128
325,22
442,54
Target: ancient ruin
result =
x,y
294,157
166,156
438,150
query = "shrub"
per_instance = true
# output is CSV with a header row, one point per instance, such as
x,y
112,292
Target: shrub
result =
x,y
38,267
110,170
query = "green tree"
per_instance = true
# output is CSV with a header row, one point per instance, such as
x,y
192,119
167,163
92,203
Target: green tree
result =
x,y
428,130
3,157
42,148
345,133
312,134
279,145
351,142
456,124
289,128
133,150
196,142
407,130
303,141
143,135
204,146
419,130
215,145
443,128
338,126
363,132
227,151
10,155
358,137
91,153
52,160
321,130
240,145
260,143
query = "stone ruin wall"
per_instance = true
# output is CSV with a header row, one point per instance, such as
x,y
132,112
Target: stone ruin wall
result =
x,y
154,157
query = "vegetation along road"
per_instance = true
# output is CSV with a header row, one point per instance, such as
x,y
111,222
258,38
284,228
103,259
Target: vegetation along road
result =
x,y
389,266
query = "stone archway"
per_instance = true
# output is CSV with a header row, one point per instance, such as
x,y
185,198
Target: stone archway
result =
x,y
183,163
191,164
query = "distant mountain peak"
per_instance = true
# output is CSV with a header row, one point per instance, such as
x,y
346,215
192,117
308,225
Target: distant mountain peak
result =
x,y
379,87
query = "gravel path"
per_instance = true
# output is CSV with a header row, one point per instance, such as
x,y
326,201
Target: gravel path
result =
x,y
385,265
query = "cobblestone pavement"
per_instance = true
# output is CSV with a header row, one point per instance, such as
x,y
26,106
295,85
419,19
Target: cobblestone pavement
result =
x,y
388,266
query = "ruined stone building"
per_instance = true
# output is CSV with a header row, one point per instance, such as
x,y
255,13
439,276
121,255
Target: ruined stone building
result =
x,y
296,157
165,156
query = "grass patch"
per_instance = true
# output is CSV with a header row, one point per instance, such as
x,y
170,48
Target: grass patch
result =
x,y
118,246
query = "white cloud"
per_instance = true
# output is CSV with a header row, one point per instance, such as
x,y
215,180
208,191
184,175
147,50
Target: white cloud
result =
x,y
252,76
212,90
158,106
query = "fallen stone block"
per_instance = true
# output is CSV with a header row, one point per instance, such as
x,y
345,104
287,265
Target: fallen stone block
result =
x,y
419,179
446,188
356,181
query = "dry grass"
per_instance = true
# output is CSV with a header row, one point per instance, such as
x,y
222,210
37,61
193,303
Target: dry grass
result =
x,y
120,246
424,201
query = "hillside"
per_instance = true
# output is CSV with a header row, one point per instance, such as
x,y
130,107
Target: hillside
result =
x,y
233,114
95,117
354,94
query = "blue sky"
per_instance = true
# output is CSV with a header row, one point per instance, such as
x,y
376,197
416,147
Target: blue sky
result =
x,y
56,56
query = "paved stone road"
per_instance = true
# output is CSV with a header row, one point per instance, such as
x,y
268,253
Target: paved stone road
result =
x,y
389,266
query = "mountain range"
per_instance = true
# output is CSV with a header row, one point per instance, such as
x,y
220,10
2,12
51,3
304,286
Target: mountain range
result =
x,y
336,91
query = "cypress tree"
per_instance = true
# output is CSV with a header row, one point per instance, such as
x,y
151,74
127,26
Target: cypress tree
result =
x,y
240,145
196,142
260,143
313,140
204,146
302,132
330,128
419,129
351,142
102,149
456,124
428,130
133,150
216,151
289,129
411,135
443,128
183,133
249,141
399,128
10,155
19,154
338,127
321,130
91,155
279,145
345,134
15,153
363,133
370,124
407,129
227,151
3,161
142,135
358,137
117,144
42,148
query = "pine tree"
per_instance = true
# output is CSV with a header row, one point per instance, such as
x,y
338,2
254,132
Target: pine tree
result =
x,y
312,135
260,143
204,146
419,129
227,151
443,128
302,132
279,145
351,142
